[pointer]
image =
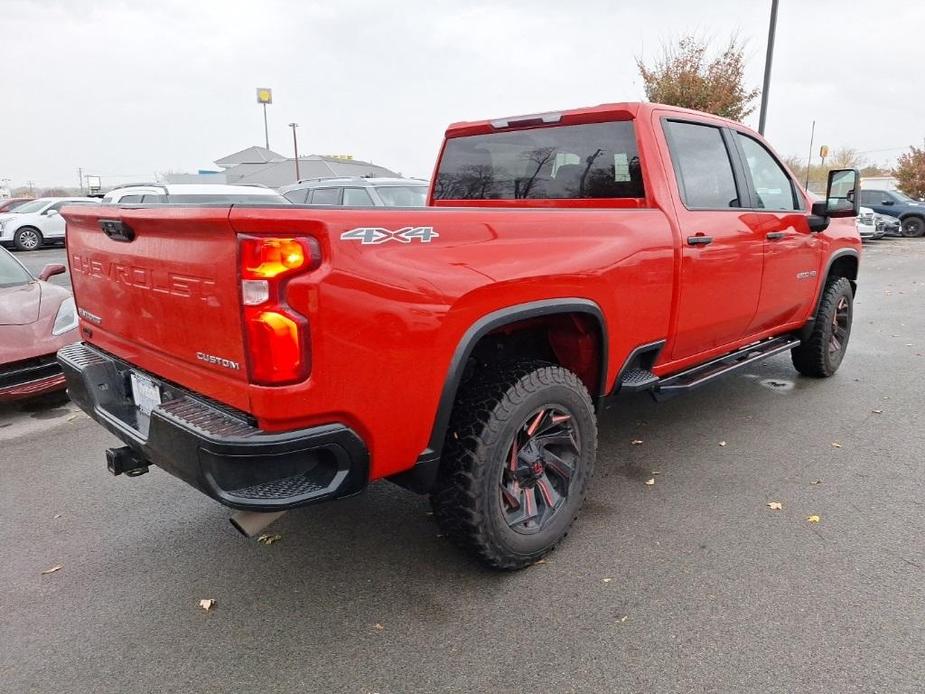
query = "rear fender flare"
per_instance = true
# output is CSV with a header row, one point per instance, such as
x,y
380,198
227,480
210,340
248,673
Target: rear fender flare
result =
x,y
489,323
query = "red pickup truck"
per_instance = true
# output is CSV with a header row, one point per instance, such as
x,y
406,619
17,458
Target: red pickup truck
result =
x,y
276,356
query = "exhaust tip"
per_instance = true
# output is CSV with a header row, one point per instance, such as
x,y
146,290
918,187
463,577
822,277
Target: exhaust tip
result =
x,y
249,523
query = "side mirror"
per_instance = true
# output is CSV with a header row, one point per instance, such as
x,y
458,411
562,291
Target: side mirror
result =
x,y
841,198
51,270
50,213
887,202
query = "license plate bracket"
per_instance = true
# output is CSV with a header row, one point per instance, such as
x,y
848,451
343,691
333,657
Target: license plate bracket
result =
x,y
145,392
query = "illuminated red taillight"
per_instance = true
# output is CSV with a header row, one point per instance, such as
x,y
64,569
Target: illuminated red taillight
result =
x,y
278,345
263,258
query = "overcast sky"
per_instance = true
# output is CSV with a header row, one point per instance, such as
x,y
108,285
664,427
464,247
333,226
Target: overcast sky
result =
x,y
127,89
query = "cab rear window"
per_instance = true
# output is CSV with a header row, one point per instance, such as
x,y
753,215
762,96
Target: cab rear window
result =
x,y
596,160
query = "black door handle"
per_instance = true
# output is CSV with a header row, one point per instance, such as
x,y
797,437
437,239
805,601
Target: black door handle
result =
x,y
699,240
774,235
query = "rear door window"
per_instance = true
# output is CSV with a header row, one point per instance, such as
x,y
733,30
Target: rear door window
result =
x,y
326,196
130,198
357,197
702,166
595,160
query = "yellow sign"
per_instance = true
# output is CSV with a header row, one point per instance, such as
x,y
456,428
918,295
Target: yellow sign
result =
x,y
824,151
264,95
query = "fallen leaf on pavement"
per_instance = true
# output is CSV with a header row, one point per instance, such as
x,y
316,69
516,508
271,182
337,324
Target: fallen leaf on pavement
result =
x,y
624,618
73,417
206,604
813,519
650,481
378,627
775,505
57,567
57,516
269,539
540,561
636,442
607,580
722,443
877,411
816,482
835,444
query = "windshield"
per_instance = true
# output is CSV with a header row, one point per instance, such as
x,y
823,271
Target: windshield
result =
x,y
33,206
403,196
12,274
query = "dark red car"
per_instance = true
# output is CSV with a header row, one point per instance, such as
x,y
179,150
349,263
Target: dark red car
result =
x,y
10,204
36,319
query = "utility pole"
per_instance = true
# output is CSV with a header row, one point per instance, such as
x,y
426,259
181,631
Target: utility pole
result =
x,y
80,179
295,147
266,130
769,57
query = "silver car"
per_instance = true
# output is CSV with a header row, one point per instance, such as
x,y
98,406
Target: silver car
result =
x,y
358,192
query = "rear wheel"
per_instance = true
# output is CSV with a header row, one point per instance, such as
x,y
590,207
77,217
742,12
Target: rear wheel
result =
x,y
820,355
913,227
27,239
517,461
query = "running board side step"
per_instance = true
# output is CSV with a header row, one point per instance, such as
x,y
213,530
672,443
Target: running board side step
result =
x,y
706,372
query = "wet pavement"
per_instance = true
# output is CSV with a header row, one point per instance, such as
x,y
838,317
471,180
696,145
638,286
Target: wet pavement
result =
x,y
690,584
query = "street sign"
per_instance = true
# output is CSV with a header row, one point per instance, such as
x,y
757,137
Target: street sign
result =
x,y
824,151
264,95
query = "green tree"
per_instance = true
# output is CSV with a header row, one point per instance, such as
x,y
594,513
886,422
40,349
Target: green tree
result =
x,y
910,173
687,75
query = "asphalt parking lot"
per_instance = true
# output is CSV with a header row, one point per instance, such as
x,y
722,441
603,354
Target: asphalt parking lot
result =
x,y
690,584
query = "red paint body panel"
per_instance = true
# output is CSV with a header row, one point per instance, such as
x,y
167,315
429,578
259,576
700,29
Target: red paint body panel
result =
x,y
385,319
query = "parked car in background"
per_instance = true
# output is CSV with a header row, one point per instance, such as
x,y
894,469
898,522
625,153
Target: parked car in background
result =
x,y
36,319
867,225
10,204
188,193
359,192
36,222
911,213
890,226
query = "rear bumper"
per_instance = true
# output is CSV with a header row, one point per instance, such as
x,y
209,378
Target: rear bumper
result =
x,y
214,449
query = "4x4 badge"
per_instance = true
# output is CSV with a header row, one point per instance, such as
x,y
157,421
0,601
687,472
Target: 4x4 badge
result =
x,y
375,235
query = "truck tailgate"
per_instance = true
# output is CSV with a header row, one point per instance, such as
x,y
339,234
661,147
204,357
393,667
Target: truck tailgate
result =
x,y
159,287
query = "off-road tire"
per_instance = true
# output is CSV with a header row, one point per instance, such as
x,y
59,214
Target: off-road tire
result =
x,y
27,239
912,227
489,412
813,357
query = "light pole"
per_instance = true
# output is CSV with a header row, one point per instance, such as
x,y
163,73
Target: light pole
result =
x,y
265,96
769,57
295,146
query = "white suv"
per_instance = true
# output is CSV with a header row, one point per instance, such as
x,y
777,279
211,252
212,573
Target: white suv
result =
x,y
191,193
29,226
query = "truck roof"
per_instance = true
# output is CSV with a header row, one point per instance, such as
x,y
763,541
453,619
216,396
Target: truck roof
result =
x,y
589,114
